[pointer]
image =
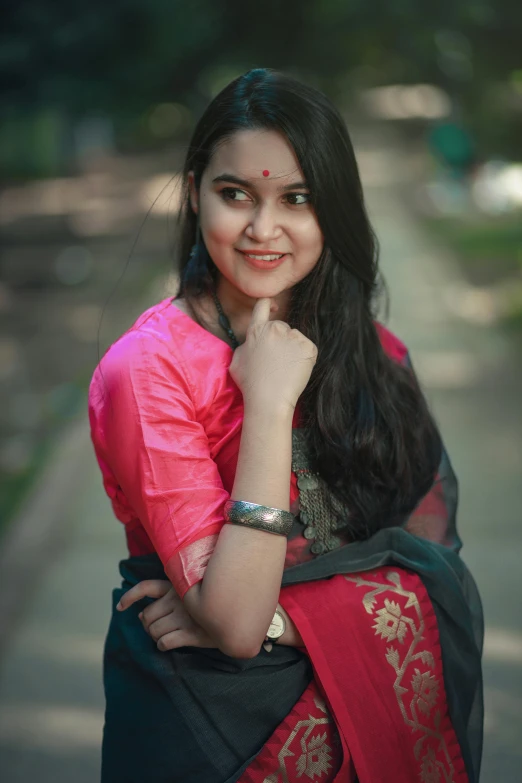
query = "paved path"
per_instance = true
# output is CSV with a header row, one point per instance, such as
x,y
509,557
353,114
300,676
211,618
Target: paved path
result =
x,y
475,390
51,702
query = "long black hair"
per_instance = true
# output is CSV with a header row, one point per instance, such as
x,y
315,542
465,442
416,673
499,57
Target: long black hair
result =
x,y
370,432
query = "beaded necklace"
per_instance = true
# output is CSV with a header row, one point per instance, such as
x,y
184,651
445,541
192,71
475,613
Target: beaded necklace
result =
x,y
224,322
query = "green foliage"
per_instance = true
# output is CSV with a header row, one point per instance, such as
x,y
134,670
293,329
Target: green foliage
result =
x,y
124,56
103,56
490,248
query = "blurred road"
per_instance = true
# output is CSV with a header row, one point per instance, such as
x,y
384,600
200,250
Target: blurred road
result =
x,y
66,245
51,701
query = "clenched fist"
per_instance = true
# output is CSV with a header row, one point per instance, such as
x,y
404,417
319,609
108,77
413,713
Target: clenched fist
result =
x,y
274,364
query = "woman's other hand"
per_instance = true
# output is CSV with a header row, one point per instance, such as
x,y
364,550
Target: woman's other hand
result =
x,y
274,364
166,620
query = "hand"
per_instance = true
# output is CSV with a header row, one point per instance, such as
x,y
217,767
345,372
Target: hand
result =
x,y
166,620
275,362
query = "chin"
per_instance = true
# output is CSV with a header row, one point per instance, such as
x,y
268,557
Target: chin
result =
x,y
259,286
260,290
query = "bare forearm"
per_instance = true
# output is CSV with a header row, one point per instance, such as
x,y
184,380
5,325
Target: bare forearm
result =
x,y
239,593
265,457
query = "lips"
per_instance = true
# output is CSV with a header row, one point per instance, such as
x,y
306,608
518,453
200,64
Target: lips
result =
x,y
265,259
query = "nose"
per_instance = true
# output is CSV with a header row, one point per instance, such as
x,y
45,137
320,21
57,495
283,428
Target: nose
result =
x,y
264,224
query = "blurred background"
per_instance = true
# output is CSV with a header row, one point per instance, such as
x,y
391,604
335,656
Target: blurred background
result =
x,y
97,103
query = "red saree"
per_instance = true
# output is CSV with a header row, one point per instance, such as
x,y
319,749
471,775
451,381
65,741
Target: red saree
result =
x,y
374,644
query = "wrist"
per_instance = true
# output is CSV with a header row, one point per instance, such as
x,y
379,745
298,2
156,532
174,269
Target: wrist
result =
x,y
257,410
291,637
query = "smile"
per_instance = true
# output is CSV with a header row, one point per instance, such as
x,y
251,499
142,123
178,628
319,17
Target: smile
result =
x,y
262,261
271,257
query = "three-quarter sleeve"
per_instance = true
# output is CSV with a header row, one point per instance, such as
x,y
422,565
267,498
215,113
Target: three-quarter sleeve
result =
x,y
435,517
150,437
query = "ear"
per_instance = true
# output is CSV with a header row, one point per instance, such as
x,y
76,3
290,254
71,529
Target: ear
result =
x,y
194,196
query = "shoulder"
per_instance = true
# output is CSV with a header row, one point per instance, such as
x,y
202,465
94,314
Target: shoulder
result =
x,y
391,345
146,353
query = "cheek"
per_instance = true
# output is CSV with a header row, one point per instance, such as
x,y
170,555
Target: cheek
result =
x,y
310,237
219,224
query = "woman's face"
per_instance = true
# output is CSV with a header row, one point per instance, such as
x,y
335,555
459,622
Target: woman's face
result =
x,y
253,202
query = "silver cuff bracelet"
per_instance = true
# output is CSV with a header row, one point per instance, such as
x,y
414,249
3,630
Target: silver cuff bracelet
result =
x,y
272,520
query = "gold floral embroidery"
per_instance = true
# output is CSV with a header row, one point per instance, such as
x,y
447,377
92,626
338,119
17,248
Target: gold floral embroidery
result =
x,y
429,769
416,687
390,624
315,759
426,686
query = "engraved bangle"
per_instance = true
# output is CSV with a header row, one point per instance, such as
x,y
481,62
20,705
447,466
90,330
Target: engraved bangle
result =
x,y
272,520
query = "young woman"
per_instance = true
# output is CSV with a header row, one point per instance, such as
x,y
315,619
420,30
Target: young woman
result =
x,y
266,444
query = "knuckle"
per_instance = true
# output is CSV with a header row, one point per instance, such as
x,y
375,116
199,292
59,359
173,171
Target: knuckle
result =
x,y
167,642
143,588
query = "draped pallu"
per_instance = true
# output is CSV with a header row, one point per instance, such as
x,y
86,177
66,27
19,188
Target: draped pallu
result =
x,y
389,686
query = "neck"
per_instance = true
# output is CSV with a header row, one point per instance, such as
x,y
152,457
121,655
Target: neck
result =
x,y
238,307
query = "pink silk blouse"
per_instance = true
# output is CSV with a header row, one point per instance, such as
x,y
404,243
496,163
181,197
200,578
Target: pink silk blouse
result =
x,y
166,422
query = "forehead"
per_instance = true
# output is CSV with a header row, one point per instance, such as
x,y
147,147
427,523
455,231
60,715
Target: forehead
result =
x,y
249,153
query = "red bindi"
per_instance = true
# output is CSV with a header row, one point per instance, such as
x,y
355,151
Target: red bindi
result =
x,y
266,173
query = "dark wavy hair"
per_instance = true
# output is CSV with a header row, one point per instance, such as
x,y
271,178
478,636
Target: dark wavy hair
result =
x,y
371,435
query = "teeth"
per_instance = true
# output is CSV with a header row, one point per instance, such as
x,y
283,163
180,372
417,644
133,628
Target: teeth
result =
x,y
264,258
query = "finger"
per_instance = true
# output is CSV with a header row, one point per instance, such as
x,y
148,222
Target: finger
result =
x,y
261,311
160,608
149,588
173,640
162,627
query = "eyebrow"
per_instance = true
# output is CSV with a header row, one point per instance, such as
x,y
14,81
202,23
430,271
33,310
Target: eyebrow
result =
x,y
246,184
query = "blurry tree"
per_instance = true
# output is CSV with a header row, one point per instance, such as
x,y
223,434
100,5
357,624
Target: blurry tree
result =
x,y
102,55
124,56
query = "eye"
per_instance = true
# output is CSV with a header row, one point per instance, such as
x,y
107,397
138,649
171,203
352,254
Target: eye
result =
x,y
234,194
297,199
